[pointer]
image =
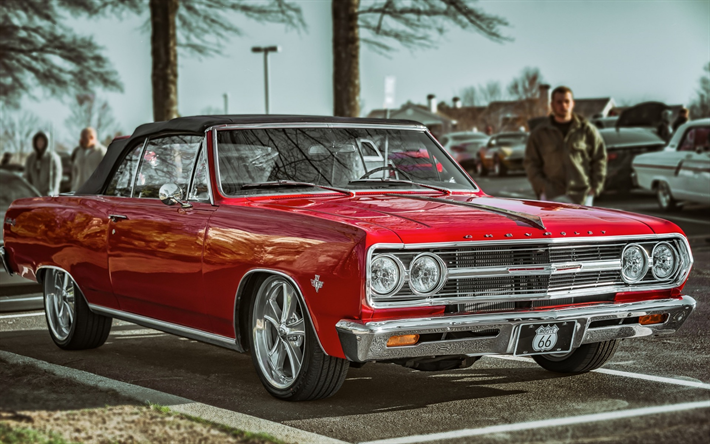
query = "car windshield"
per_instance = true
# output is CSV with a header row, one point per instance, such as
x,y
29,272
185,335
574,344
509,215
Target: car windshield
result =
x,y
347,158
511,139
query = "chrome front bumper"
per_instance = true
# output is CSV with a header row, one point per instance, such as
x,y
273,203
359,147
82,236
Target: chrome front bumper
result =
x,y
496,333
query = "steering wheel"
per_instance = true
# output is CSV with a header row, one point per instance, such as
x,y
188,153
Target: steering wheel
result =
x,y
385,168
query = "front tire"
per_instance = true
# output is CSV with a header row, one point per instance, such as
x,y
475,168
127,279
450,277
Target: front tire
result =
x,y
665,198
586,358
285,349
72,325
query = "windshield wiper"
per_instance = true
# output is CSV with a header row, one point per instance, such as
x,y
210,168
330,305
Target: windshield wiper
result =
x,y
292,183
408,182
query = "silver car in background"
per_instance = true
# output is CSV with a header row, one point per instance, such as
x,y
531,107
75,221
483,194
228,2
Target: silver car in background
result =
x,y
681,172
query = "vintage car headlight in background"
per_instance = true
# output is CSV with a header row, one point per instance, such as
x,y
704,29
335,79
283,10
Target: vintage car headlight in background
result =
x,y
387,273
664,261
427,274
634,263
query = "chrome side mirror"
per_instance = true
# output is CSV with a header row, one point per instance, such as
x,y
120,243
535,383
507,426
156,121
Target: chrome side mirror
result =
x,y
171,194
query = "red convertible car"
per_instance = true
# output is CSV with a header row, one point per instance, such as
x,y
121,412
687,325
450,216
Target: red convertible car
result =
x,y
282,236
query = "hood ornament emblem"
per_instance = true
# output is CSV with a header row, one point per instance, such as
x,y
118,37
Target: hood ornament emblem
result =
x,y
317,284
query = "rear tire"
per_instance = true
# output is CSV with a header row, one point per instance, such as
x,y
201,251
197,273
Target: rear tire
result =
x,y
72,325
665,198
285,349
499,169
586,358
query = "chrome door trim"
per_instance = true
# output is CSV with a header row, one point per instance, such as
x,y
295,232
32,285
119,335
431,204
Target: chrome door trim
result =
x,y
167,327
238,298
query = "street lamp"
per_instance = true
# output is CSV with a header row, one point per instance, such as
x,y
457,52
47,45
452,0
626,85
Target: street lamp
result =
x,y
266,50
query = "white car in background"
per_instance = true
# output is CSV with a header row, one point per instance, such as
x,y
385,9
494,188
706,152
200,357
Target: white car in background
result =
x,y
681,172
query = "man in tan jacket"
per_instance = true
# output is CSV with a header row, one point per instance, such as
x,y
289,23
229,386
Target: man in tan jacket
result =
x,y
565,157
86,157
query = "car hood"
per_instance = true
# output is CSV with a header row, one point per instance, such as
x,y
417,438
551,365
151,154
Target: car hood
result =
x,y
425,218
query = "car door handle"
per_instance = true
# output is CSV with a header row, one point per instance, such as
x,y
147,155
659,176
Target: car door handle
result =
x,y
116,217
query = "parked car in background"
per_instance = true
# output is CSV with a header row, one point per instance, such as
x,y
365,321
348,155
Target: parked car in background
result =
x,y
681,172
466,153
451,139
271,235
504,152
605,122
622,146
16,292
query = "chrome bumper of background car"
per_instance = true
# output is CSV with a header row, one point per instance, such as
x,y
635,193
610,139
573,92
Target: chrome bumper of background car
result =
x,y
495,333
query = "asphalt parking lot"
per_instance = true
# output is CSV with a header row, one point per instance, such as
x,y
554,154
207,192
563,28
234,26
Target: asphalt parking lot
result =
x,y
654,389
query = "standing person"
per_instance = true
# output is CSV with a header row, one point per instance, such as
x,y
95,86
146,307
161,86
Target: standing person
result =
x,y
43,169
86,157
565,157
683,116
664,128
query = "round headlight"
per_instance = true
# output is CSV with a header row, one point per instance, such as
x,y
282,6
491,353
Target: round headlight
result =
x,y
426,273
634,263
386,274
664,261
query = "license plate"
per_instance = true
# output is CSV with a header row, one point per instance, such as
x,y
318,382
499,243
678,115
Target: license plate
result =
x,y
546,337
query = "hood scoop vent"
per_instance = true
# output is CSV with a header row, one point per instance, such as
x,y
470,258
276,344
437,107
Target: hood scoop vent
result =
x,y
530,219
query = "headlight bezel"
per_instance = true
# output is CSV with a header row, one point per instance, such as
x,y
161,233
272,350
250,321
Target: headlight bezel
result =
x,y
400,280
443,274
646,265
676,261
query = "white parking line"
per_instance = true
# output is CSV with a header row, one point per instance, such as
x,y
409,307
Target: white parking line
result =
x,y
661,379
22,315
506,428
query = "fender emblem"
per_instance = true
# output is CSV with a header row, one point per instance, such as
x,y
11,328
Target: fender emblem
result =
x,y
317,284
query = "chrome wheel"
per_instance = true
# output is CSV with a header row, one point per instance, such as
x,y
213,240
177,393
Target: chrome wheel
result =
x,y
665,198
279,332
60,304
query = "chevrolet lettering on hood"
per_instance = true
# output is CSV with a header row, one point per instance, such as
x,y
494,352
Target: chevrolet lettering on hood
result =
x,y
316,243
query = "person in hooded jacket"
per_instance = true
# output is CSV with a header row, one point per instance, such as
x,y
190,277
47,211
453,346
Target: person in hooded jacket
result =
x,y
43,168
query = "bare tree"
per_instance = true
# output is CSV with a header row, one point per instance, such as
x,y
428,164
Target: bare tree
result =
x,y
39,53
469,96
490,92
526,90
700,105
386,22
17,129
91,110
199,28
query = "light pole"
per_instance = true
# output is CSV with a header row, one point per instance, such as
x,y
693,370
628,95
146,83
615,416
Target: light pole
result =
x,y
266,50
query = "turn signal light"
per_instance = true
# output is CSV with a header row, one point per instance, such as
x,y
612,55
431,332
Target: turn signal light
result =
x,y
401,341
653,319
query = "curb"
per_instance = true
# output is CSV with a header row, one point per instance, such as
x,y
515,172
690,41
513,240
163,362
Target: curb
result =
x,y
177,404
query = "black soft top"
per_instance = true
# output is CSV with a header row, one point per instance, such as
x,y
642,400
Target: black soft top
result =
x,y
197,125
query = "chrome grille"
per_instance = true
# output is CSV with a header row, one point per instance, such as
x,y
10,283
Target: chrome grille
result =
x,y
580,253
499,272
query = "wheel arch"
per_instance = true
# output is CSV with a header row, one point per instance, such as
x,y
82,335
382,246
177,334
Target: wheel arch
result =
x,y
42,271
247,290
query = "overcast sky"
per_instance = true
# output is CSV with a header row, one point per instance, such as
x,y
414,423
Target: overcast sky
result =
x,y
629,50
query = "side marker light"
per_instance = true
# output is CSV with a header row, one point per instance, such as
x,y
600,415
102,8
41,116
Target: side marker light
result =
x,y
653,319
403,340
